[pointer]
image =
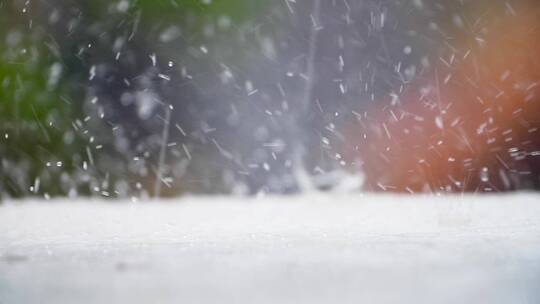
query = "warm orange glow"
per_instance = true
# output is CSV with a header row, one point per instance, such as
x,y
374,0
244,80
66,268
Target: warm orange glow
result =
x,y
469,124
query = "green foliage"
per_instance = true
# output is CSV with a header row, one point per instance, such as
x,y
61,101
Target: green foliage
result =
x,y
44,139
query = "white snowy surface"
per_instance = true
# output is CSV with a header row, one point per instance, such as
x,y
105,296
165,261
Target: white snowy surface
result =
x,y
305,249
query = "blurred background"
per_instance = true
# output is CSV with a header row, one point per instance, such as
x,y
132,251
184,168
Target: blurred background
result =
x,y
143,98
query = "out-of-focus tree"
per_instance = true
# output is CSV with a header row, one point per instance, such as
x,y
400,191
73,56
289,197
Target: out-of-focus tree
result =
x,y
85,85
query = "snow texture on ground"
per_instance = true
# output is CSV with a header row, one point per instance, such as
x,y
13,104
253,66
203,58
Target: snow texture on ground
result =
x,y
308,249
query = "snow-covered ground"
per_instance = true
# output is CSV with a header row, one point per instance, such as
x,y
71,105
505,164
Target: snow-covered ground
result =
x,y
332,248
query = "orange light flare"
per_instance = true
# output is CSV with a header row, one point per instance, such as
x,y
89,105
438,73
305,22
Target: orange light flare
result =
x,y
470,123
